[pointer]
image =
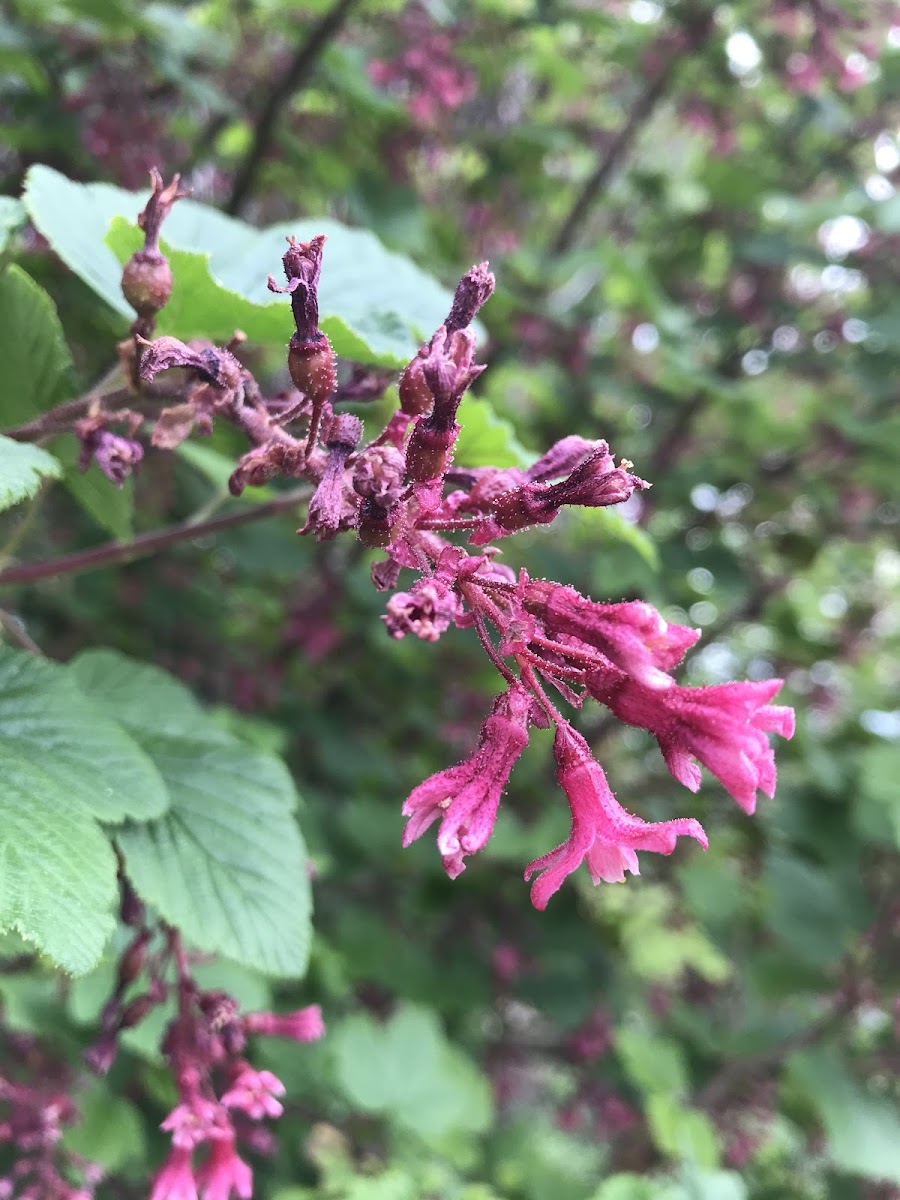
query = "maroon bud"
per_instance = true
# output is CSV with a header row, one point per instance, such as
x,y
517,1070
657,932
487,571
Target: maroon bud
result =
x,y
416,397
343,433
131,907
147,282
132,961
137,1009
147,277
430,450
377,525
102,1054
312,368
473,290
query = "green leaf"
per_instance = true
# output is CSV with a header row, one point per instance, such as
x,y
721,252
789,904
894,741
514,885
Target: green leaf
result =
x,y
46,721
682,1133
376,306
33,350
144,698
23,468
227,864
110,506
407,1070
626,1187
609,525
12,218
487,440
862,1132
109,1130
808,909
656,1065
57,869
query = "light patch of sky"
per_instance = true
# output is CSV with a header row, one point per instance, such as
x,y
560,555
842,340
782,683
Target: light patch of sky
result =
x,y
843,235
887,156
879,188
645,12
744,56
645,338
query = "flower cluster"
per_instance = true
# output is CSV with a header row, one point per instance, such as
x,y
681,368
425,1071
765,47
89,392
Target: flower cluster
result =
x,y
35,1110
403,492
222,1097
425,74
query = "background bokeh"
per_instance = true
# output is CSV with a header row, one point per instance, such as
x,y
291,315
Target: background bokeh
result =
x,y
692,214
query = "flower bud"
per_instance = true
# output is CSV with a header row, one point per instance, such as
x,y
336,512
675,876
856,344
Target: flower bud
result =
x,y
377,525
147,282
135,1012
416,397
312,368
430,450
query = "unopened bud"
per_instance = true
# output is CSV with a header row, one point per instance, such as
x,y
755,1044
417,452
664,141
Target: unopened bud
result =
x,y
132,961
138,1008
430,450
147,282
416,397
377,525
312,369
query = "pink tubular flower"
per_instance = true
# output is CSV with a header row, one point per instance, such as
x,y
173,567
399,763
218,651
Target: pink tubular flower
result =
x,y
304,1025
603,834
466,797
723,726
175,1181
191,1122
254,1092
631,634
223,1173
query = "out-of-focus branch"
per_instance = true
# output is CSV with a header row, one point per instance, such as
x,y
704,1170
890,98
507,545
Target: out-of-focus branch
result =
x,y
296,74
695,30
641,111
149,543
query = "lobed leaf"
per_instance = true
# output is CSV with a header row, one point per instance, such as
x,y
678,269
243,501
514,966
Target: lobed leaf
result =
x,y
33,350
93,762
57,869
227,863
23,468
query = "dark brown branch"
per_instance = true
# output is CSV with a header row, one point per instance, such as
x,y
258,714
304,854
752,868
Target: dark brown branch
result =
x,y
297,73
64,416
696,30
148,543
641,111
